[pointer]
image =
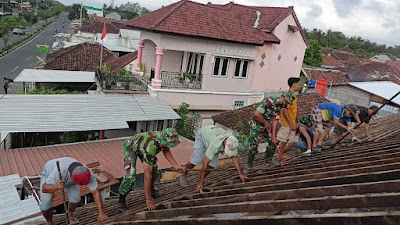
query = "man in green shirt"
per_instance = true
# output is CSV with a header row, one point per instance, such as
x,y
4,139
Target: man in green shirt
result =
x,y
210,141
146,146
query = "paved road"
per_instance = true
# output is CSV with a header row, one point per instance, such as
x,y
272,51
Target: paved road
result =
x,y
25,57
28,30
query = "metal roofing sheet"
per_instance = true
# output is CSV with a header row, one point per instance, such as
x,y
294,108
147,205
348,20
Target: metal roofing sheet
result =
x,y
11,206
32,75
61,113
109,153
384,89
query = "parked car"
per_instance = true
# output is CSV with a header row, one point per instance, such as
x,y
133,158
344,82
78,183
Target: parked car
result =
x,y
18,31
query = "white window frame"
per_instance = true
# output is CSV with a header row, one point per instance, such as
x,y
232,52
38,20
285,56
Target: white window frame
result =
x,y
236,104
191,63
241,69
220,66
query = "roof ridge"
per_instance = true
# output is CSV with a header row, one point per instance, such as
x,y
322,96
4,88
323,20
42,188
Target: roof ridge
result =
x,y
169,13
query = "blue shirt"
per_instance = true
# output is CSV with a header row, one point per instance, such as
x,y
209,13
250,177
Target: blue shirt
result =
x,y
335,110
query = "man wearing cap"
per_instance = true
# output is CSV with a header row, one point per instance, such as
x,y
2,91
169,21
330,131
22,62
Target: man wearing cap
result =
x,y
210,141
324,114
146,146
73,175
361,115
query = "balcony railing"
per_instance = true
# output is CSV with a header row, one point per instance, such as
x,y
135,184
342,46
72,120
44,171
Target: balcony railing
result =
x,y
123,82
180,80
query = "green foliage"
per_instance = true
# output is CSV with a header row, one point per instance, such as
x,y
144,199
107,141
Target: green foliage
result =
x,y
358,45
142,67
70,137
188,124
77,92
183,77
108,76
128,10
313,55
244,145
75,12
43,91
8,23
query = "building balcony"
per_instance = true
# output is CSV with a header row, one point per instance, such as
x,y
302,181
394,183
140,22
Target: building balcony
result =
x,y
180,80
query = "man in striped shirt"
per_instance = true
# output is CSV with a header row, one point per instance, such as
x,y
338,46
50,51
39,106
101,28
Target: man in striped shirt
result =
x,y
146,146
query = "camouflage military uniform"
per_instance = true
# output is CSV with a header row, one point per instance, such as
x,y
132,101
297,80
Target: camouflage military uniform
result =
x,y
269,109
145,146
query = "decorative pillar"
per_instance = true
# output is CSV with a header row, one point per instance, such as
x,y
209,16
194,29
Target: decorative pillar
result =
x,y
156,81
139,58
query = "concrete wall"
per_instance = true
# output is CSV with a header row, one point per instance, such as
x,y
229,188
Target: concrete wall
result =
x,y
274,74
149,56
347,95
211,49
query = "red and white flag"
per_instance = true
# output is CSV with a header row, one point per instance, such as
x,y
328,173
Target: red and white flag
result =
x,y
104,33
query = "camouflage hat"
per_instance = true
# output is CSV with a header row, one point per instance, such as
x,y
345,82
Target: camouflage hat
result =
x,y
289,97
168,137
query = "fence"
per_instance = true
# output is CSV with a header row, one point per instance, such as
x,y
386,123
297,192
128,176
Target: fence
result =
x,y
178,80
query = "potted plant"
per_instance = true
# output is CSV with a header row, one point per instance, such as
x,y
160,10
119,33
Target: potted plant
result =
x,y
105,70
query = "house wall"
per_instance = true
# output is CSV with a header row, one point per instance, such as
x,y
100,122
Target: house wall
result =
x,y
347,95
274,74
211,49
149,56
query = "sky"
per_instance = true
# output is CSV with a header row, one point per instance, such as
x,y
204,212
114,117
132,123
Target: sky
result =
x,y
375,20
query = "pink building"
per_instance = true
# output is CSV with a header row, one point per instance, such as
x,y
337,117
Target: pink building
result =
x,y
231,54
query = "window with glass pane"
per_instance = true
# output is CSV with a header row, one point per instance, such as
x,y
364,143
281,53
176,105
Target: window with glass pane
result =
x,y
241,68
195,63
221,66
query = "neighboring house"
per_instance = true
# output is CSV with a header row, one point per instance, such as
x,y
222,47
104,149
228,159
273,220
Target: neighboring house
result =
x,y
234,119
81,57
51,115
113,15
341,58
382,58
93,11
114,39
126,62
236,52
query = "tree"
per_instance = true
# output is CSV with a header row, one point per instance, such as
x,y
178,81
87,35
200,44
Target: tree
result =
x,y
188,124
75,12
313,56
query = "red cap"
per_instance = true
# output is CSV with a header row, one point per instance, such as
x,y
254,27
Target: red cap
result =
x,y
81,175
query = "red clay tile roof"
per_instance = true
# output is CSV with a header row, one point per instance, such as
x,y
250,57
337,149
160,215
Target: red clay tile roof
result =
x,y
328,60
231,119
82,57
395,65
97,27
336,77
102,19
231,22
109,153
123,60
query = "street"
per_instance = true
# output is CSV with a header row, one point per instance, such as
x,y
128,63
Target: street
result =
x,y
25,57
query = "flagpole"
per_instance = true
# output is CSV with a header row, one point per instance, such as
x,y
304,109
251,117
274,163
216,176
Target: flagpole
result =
x,y
101,54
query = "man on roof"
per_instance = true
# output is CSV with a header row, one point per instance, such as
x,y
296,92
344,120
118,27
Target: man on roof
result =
x,y
73,175
263,125
287,132
146,146
306,135
326,113
210,141
362,115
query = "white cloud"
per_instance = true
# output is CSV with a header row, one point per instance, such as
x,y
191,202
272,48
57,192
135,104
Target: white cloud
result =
x,y
370,19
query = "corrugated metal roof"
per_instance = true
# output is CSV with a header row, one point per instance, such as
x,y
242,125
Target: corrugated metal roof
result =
x,y
11,206
384,89
61,113
31,75
109,153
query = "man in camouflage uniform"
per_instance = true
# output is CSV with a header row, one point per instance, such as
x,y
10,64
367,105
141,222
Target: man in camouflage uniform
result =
x,y
260,126
146,146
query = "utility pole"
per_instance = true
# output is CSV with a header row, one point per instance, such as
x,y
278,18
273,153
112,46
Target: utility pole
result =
x,y
36,8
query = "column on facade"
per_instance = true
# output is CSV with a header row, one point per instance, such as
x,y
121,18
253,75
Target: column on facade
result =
x,y
156,81
139,57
